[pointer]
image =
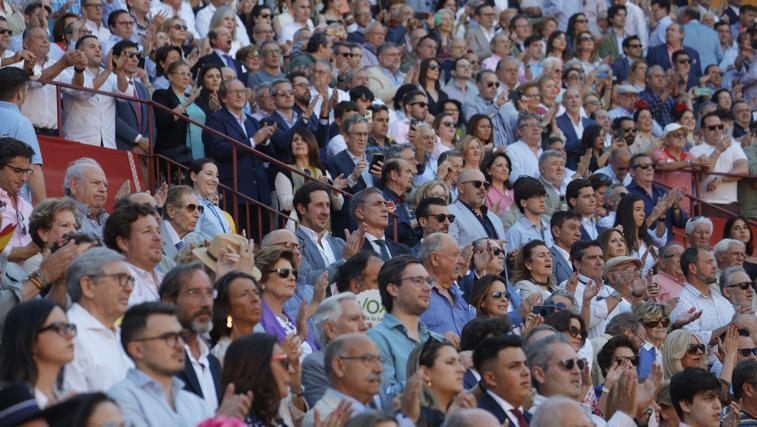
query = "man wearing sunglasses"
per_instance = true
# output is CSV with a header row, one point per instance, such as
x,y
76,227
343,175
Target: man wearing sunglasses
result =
x,y
433,217
415,106
723,154
473,219
490,102
177,228
738,288
133,129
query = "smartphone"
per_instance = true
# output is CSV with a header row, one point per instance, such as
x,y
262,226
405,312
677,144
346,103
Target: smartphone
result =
x,y
412,124
369,115
421,15
378,157
621,133
267,122
702,91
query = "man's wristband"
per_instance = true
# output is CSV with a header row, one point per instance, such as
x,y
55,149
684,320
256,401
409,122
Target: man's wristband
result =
x,y
79,70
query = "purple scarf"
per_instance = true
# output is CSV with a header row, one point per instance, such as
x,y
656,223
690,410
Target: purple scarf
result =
x,y
272,326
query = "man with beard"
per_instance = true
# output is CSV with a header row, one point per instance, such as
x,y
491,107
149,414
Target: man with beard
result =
x,y
729,253
474,219
699,268
396,178
301,87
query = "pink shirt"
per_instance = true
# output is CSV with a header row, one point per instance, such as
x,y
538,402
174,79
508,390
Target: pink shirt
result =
x,y
670,287
19,217
505,199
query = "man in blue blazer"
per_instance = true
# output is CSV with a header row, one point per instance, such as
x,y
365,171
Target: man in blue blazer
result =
x,y
658,55
251,178
370,212
566,230
220,41
505,378
133,118
568,122
632,51
286,119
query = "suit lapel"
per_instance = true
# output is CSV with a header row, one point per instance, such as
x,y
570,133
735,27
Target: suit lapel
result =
x,y
192,383
471,217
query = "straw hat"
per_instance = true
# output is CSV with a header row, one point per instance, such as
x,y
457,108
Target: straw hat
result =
x,y
223,242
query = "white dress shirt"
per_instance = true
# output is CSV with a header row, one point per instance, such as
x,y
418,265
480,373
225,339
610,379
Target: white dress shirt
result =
x,y
507,407
322,244
100,31
99,358
201,367
600,316
89,118
716,311
185,12
146,285
40,105
524,161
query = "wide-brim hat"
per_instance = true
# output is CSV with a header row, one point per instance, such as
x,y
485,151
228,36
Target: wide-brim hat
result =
x,y
223,242
614,262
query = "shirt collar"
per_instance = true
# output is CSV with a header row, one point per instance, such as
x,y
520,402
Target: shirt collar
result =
x,y
142,380
371,238
504,404
312,235
9,106
171,232
562,251
87,320
204,352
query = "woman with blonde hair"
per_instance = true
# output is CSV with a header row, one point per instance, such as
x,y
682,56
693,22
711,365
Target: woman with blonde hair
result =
x,y
434,188
656,320
472,151
680,350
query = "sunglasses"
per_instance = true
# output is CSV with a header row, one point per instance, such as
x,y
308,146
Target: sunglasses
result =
x,y
420,103
4,31
569,364
492,84
61,328
448,124
663,321
743,285
284,272
442,217
746,352
576,333
500,295
683,61
191,207
634,360
433,67
645,166
179,27
133,54
346,54
581,21
497,251
634,46
281,358
696,348
714,127
478,184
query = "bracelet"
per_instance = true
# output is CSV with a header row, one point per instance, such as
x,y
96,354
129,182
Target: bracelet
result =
x,y
38,281
79,70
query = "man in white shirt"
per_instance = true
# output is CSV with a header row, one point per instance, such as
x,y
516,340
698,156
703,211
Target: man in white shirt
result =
x,y
723,154
505,378
618,164
524,154
94,12
204,15
636,22
623,287
300,13
90,118
99,284
660,15
121,26
580,197
134,231
179,8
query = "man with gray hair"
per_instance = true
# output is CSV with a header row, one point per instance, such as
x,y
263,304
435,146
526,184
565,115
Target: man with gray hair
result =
x,y
337,315
369,211
729,253
559,411
448,312
353,366
489,101
618,165
699,231
524,153
99,284
738,288
86,185
552,176
657,95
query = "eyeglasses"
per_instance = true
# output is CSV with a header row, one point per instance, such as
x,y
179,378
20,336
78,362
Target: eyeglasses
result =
x,y
199,293
746,352
366,358
715,127
492,84
191,207
433,67
346,54
661,322
743,286
20,171
581,21
634,360
683,61
576,333
420,103
6,31
284,272
442,217
419,280
569,364
645,166
133,54
285,93
289,245
179,27
497,251
125,280
281,358
448,124
478,184
696,348
172,339
500,295
237,92
635,46
63,329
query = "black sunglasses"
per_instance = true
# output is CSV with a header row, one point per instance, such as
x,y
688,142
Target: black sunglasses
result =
x,y
569,364
663,321
743,285
478,184
694,348
501,295
634,360
191,207
442,217
745,352
284,272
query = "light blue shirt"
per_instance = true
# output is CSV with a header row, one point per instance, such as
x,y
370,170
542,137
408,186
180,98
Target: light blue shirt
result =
x,y
143,402
525,231
212,221
15,125
443,316
394,347
658,36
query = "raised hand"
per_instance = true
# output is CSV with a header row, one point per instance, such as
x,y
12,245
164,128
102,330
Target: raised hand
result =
x,y
354,241
410,400
235,405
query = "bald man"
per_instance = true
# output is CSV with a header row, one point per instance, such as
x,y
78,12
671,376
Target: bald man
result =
x,y
473,220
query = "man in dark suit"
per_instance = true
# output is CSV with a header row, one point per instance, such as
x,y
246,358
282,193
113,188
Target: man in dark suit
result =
x,y
286,119
662,55
369,210
133,118
251,178
570,123
580,197
220,40
505,378
632,51
566,230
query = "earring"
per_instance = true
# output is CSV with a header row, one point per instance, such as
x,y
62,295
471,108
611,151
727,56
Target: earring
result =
x,y
429,383
229,322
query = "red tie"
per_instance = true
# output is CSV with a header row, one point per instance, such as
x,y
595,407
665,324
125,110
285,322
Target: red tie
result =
x,y
519,416
138,111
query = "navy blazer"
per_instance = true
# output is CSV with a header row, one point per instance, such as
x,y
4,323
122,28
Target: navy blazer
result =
x,y
488,403
282,138
127,125
658,55
395,249
561,269
213,59
342,164
251,174
620,69
192,384
572,141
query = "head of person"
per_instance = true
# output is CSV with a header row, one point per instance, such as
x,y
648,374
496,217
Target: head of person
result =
x,y
15,165
50,220
729,253
415,106
580,196
682,349
555,367
587,258
699,231
85,182
471,150
613,243
397,175
619,160
480,126
151,336
560,411
99,281
745,381
203,173
182,209
236,303
35,332
695,393
502,364
490,297
618,351
485,15
670,259
285,239
90,45
121,24
389,56
433,215
699,266
737,286
439,367
133,230
338,315
369,207
529,195
655,318
534,263
359,273
496,167
356,128
189,288
441,255
565,227
738,228
279,278
404,286
313,205
472,187
570,325
488,84
257,363
616,14
353,366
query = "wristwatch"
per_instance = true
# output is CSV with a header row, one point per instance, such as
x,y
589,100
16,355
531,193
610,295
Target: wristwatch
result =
x,y
616,295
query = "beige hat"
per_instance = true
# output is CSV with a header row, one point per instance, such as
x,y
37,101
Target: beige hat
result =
x,y
223,242
614,262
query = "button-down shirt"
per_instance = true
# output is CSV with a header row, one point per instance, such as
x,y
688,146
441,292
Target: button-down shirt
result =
x,y
716,311
92,225
146,285
397,77
590,226
99,358
40,105
658,36
524,161
372,240
600,316
670,286
661,109
525,231
143,402
394,347
462,93
18,216
89,119
98,30
607,170
443,315
322,243
16,125
201,366
503,130
212,221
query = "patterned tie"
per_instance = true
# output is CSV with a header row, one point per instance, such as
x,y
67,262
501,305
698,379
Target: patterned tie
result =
x,y
519,416
384,251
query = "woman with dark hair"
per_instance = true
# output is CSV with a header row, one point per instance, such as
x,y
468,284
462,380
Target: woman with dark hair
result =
x,y
454,108
723,99
213,220
533,270
306,159
593,139
572,326
617,354
600,183
645,141
585,50
496,167
177,139
59,29
257,363
38,342
738,228
333,11
613,243
577,24
428,81
480,126
489,296
164,56
557,45
441,373
642,243
236,310
91,409
684,116
210,80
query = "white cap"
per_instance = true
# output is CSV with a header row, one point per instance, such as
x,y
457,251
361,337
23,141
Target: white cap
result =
x,y
627,89
672,127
